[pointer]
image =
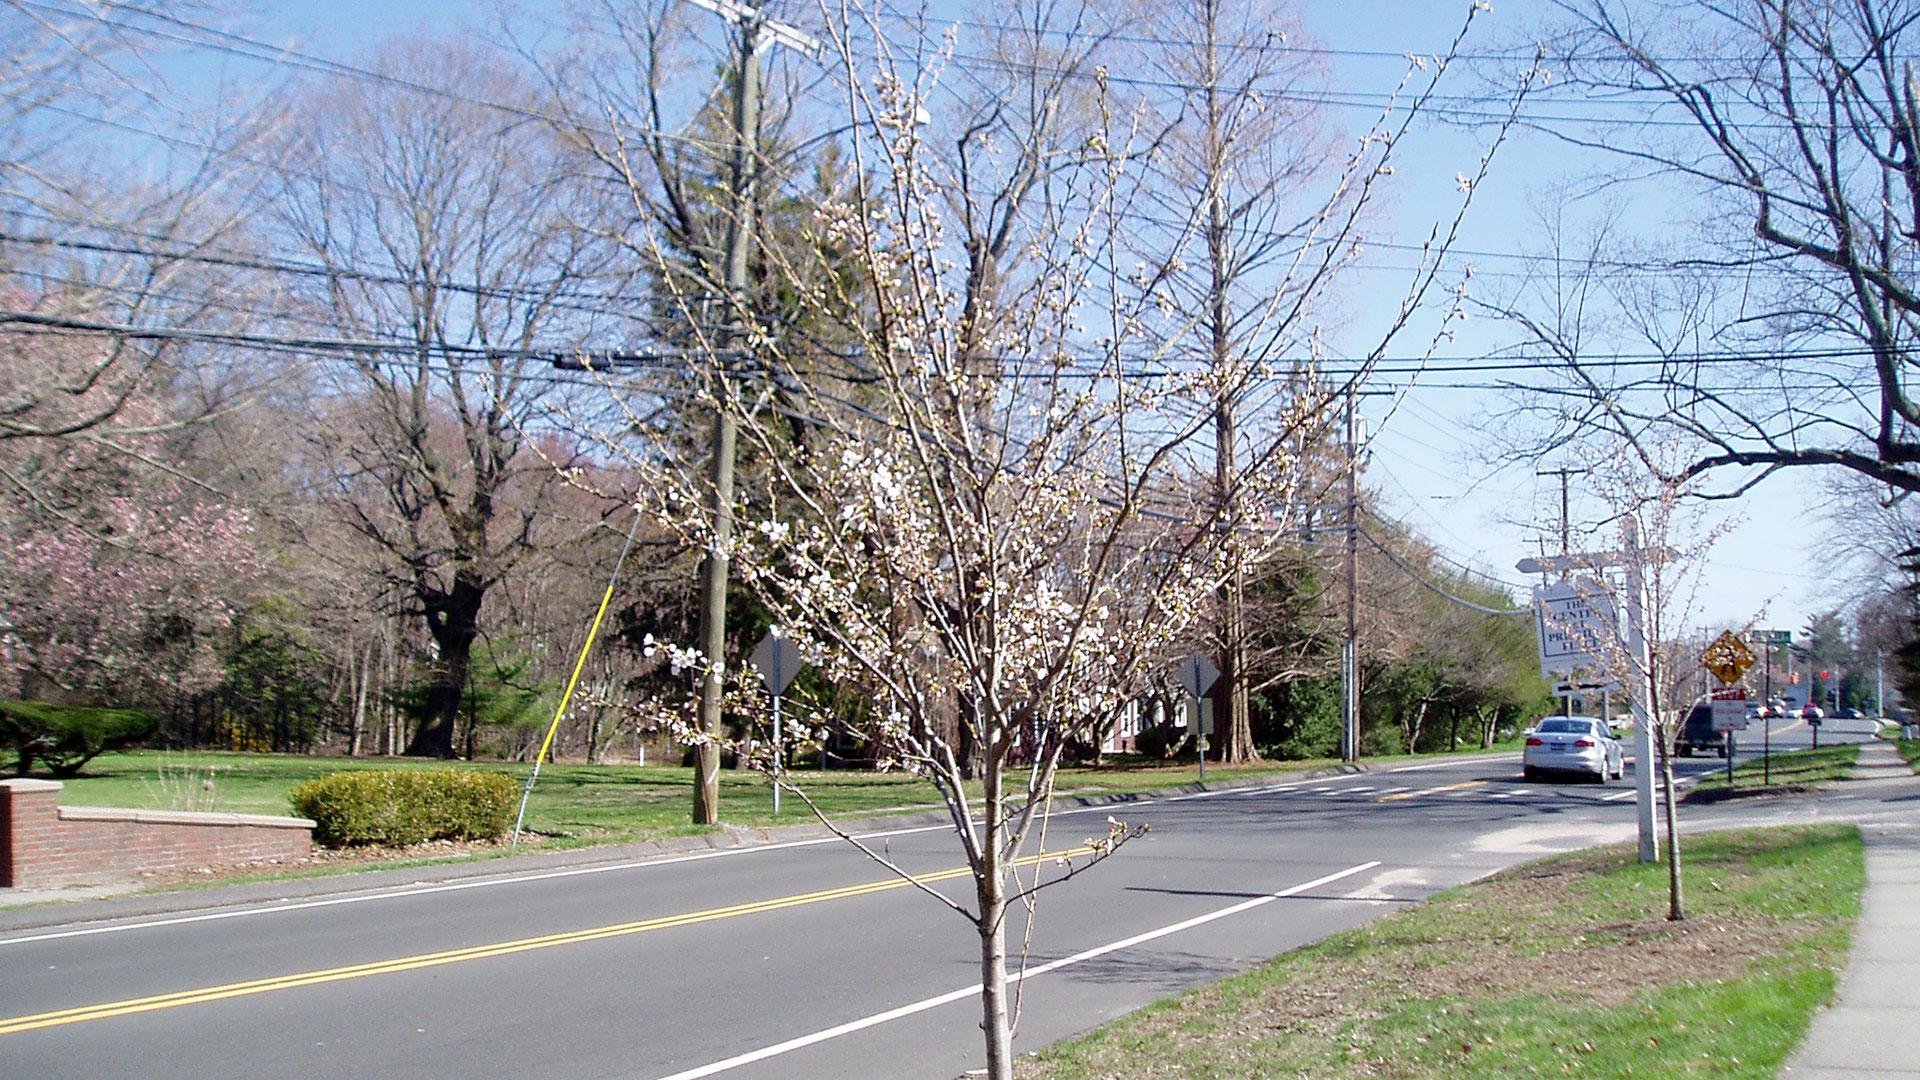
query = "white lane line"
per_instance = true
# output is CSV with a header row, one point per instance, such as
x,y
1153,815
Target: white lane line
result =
x,y
1443,764
1395,790
1621,795
1505,794
405,892
950,996
402,892
275,907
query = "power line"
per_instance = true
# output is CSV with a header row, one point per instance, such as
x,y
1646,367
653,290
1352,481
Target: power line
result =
x,y
248,48
1436,589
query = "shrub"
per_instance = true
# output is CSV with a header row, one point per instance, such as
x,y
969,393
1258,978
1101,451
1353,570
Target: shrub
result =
x,y
406,806
66,737
1161,742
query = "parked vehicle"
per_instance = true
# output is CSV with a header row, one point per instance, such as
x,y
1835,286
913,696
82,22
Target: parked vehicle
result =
x,y
1849,714
1573,744
1698,733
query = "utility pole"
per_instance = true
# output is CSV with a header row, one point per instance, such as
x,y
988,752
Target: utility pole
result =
x,y
1566,525
1350,653
741,198
1566,549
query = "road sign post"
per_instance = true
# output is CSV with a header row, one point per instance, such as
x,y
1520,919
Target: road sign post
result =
x,y
1198,674
1728,658
778,662
1771,639
1637,659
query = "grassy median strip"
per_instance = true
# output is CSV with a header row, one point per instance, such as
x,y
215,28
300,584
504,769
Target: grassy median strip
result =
x,y
1790,772
1910,749
1566,967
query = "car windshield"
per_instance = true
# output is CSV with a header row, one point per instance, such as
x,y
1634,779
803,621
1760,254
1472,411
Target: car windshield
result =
x,y
1566,727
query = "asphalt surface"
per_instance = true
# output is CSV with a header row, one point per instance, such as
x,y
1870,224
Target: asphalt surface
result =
x,y
796,959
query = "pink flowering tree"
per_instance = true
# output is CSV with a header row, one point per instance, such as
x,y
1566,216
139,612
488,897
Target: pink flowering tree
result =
x,y
117,573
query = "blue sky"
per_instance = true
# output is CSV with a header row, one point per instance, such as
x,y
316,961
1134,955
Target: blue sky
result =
x,y
1429,460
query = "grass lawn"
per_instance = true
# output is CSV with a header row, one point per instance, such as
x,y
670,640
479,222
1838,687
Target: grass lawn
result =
x,y
1910,749
1791,771
1566,967
590,802
575,805
583,803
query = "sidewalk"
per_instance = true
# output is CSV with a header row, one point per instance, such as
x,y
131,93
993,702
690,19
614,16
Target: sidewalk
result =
x,y
1872,1029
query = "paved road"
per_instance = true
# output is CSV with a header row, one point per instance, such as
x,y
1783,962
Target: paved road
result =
x,y
1786,734
801,959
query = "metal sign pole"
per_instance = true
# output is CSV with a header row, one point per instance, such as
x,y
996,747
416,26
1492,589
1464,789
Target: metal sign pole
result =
x,y
774,659
1766,724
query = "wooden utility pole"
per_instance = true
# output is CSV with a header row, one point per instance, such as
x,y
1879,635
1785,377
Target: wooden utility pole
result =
x,y
756,31
1566,527
715,571
1350,663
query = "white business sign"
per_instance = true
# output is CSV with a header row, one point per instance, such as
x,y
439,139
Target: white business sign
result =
x,y
1576,624
1730,709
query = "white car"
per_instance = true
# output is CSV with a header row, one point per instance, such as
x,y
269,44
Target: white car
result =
x,y
1573,744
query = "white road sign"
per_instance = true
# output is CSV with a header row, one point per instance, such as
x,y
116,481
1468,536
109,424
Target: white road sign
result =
x,y
1730,709
1576,623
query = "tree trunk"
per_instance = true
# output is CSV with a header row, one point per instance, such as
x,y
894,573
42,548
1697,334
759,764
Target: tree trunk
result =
x,y
454,622
359,731
993,982
990,886
1417,726
1676,901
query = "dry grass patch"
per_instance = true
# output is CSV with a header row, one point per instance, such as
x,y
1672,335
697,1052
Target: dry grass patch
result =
x,y
1566,968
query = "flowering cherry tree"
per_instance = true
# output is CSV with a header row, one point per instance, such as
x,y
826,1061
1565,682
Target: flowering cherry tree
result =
x,y
1000,523
115,575
998,546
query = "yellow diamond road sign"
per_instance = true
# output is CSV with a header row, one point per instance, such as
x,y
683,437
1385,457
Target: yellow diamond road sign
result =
x,y
1728,658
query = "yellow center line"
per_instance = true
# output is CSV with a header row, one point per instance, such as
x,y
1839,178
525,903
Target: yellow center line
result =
x,y
1429,791
176,999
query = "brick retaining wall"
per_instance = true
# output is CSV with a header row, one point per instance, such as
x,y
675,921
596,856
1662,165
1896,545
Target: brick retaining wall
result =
x,y
44,844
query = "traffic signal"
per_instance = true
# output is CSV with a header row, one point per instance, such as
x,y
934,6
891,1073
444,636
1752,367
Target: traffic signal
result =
x,y
1825,675
1795,678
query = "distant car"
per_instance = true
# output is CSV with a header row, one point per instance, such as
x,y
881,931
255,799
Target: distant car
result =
x,y
1849,714
1577,745
1698,733
1813,713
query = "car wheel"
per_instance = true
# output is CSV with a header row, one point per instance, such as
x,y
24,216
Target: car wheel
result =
x,y
1722,752
1528,772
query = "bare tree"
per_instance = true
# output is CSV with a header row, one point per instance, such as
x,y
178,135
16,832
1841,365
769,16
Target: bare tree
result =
x,y
1243,145
106,231
447,219
1796,125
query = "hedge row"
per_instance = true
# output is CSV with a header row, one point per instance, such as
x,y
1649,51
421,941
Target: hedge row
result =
x,y
406,806
65,737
